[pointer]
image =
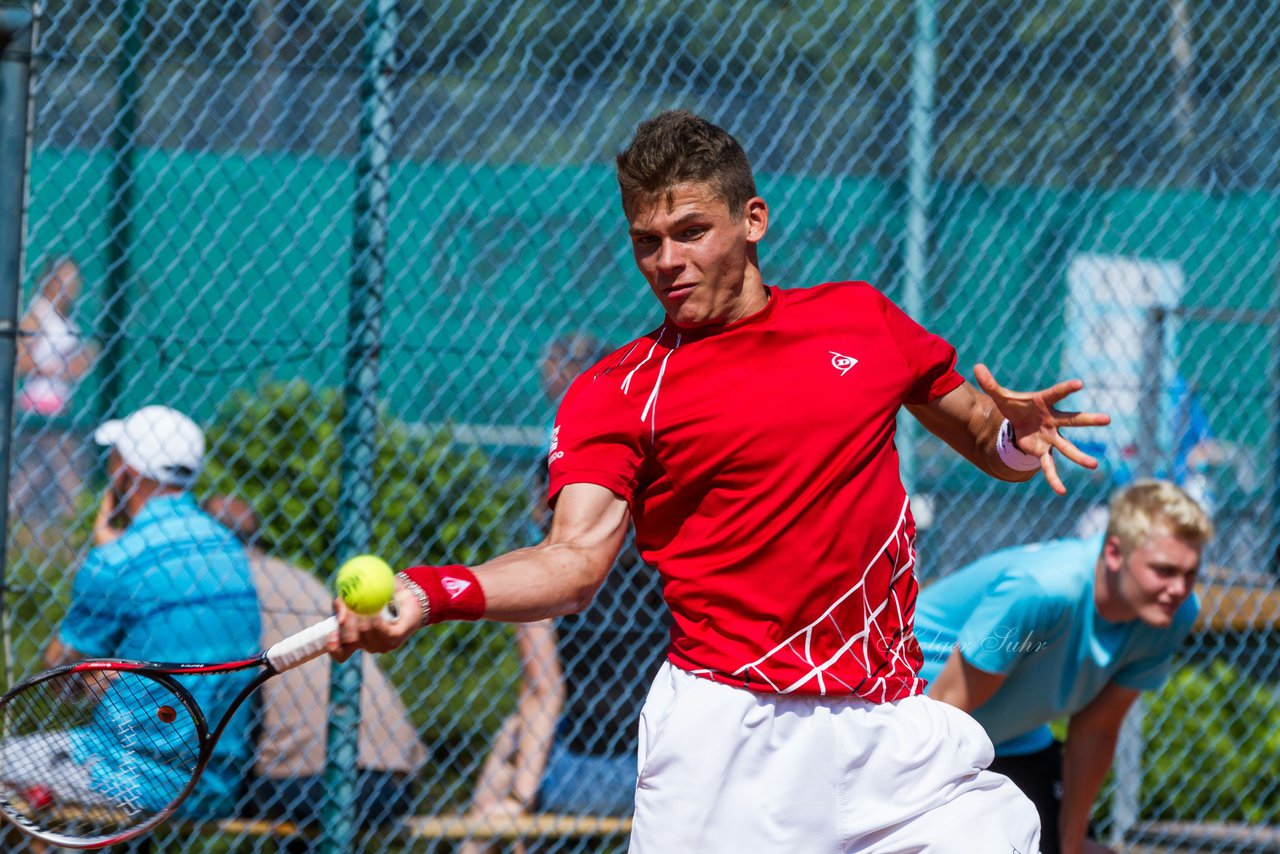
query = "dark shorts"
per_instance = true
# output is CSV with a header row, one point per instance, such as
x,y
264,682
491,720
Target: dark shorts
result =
x,y
1039,776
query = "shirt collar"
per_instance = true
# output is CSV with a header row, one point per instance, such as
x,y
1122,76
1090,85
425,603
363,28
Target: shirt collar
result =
x,y
165,507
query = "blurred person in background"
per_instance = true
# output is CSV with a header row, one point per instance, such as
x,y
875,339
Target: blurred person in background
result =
x,y
570,746
163,582
1068,628
288,774
50,462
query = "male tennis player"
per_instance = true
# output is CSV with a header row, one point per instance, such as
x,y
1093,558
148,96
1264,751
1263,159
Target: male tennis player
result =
x,y
750,438
1071,628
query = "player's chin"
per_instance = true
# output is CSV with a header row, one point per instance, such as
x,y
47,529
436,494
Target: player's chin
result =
x,y
1159,616
689,315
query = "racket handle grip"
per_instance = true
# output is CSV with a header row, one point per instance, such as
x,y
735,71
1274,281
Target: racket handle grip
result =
x,y
311,642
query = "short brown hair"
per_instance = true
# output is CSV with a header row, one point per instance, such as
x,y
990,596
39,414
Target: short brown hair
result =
x,y
677,147
1146,505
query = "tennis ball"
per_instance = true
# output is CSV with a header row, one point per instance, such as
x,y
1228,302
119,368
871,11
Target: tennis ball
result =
x,y
366,584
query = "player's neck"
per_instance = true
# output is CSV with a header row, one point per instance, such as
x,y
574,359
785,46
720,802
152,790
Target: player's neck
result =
x,y
146,493
755,296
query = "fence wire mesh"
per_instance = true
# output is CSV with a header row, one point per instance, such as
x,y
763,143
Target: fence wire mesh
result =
x,y
1078,187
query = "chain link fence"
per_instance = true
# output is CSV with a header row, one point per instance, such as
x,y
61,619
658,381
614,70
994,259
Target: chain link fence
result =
x,y
361,246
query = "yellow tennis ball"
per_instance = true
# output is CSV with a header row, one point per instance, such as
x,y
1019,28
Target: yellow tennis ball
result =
x,y
366,584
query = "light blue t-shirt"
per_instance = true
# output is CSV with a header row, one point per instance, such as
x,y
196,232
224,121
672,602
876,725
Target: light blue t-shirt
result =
x,y
1029,613
175,586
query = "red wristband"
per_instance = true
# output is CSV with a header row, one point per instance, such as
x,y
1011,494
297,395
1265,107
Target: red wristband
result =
x,y
453,592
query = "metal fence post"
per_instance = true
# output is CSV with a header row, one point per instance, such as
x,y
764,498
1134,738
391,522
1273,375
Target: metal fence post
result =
x,y
124,145
1148,438
17,50
1129,743
1128,770
360,410
1272,547
924,72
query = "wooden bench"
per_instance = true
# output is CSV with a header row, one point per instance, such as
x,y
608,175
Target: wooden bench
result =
x,y
1233,607
1169,836
455,827
545,826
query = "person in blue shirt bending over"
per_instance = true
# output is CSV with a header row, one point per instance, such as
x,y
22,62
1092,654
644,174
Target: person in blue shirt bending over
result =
x,y
1069,628
164,582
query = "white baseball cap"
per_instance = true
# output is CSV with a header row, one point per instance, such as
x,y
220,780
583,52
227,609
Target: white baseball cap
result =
x,y
157,442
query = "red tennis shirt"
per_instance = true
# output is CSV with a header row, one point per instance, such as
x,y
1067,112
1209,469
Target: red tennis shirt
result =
x,y
759,463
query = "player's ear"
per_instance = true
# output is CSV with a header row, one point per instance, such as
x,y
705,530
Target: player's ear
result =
x,y
1112,554
755,218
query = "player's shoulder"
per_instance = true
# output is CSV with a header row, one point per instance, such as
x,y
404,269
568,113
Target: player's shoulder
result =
x,y
607,379
851,291
1043,581
1053,569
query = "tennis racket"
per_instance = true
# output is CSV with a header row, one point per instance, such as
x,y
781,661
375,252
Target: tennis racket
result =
x,y
100,751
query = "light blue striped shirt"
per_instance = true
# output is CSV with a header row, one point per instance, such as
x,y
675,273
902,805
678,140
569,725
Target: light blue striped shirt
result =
x,y
175,586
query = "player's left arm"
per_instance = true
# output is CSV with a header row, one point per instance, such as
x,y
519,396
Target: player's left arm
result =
x,y
1086,758
964,686
59,652
971,420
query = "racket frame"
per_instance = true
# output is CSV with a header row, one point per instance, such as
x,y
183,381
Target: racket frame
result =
x,y
163,673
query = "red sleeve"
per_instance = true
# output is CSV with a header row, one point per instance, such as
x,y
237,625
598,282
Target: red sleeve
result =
x,y
931,358
596,437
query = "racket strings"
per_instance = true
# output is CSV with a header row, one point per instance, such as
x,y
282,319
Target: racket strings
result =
x,y
93,755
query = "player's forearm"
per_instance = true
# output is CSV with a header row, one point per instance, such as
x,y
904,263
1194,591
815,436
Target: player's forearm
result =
x,y
522,586
547,580
1086,759
58,652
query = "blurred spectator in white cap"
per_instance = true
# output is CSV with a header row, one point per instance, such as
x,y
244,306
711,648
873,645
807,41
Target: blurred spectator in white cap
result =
x,y
165,582
155,451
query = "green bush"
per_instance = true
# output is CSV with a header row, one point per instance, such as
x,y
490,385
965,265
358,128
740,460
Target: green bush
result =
x,y
38,575
278,447
1212,739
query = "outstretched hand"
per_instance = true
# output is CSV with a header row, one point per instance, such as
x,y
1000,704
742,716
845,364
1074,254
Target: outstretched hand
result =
x,y
374,634
1037,422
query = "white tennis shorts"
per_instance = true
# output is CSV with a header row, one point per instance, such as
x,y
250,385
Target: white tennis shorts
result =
x,y
724,769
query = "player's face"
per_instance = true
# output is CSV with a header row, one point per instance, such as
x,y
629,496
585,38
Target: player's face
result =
x,y
698,260
1157,577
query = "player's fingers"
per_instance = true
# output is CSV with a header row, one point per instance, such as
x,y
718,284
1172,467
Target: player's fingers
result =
x,y
1081,419
337,650
1059,390
987,381
1073,453
1050,470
